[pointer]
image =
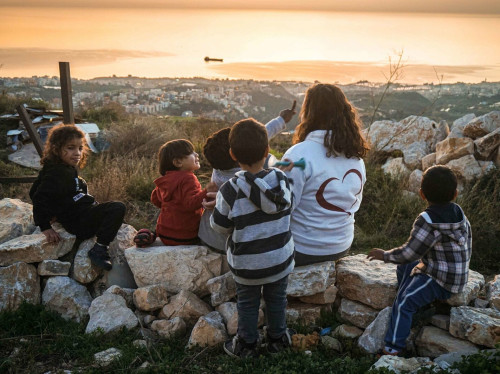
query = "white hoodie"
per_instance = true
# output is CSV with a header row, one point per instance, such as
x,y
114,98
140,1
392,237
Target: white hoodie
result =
x,y
327,193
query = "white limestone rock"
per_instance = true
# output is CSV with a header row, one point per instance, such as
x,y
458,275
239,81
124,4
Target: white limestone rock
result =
x,y
67,297
372,340
396,167
208,331
222,289
126,293
428,161
433,342
452,149
441,320
311,279
347,332
326,297
356,313
457,129
169,328
109,312
16,219
184,267
399,365
18,282
51,268
229,313
478,325
151,298
186,305
483,125
468,168
474,285
34,248
107,357
332,344
373,283
487,145
493,292
83,271
415,180
124,239
306,314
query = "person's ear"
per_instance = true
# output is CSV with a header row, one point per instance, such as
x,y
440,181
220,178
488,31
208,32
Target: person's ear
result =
x,y
177,162
455,195
232,155
421,193
267,152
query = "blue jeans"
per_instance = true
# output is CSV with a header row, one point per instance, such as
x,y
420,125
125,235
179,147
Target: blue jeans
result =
x,y
248,309
414,292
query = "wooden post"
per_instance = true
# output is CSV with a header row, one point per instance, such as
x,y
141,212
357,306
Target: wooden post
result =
x,y
30,128
66,93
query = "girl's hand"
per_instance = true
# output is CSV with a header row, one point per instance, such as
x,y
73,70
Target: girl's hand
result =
x,y
287,167
209,202
51,236
376,254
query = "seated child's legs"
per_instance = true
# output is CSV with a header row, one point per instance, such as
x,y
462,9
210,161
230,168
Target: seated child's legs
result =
x,y
101,220
275,298
418,291
248,311
403,272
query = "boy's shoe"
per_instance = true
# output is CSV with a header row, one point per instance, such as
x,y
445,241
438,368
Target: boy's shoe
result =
x,y
238,348
280,344
389,352
99,257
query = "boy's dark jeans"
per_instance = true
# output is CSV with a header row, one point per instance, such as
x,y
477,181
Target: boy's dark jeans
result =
x,y
101,220
248,309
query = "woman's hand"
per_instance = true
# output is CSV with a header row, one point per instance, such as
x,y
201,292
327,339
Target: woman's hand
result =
x,y
52,236
285,167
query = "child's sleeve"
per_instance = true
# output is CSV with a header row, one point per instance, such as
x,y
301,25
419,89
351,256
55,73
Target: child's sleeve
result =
x,y
155,198
221,220
192,193
45,199
275,126
421,240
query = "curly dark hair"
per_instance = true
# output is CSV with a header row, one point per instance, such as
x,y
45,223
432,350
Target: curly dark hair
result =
x,y
57,137
326,107
216,150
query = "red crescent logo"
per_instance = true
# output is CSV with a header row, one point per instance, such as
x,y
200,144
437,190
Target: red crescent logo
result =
x,y
320,198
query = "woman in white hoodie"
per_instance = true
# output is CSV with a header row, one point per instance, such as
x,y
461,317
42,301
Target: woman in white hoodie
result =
x,y
328,191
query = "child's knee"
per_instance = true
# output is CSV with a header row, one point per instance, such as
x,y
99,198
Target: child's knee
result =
x,y
119,208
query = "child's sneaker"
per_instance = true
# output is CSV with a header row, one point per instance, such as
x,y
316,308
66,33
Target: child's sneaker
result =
x,y
99,257
278,345
237,347
388,351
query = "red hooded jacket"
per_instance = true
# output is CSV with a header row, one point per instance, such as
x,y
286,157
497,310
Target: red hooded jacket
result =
x,y
179,196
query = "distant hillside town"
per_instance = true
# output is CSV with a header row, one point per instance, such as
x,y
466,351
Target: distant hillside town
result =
x,y
235,99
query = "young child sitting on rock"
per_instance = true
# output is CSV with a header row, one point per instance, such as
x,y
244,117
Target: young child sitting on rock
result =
x,y
59,194
178,194
254,207
434,262
216,151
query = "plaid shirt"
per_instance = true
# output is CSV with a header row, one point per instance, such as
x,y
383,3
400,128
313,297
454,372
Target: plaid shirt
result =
x,y
444,250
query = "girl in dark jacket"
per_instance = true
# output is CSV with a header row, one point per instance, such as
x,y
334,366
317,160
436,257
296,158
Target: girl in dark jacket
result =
x,y
59,194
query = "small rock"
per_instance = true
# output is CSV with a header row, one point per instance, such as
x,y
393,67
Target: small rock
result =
x,y
105,358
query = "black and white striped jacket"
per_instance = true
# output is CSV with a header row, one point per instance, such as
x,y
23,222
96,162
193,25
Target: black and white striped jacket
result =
x,y
255,210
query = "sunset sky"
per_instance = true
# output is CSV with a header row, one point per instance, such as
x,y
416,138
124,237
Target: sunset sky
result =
x,y
328,40
427,6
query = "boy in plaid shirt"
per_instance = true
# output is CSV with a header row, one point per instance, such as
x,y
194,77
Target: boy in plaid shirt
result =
x,y
434,262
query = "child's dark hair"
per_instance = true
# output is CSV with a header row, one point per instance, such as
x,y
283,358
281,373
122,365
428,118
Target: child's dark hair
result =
x,y
216,150
325,107
439,184
248,141
57,137
174,149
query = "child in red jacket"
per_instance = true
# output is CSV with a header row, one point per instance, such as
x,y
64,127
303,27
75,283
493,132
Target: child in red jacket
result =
x,y
178,194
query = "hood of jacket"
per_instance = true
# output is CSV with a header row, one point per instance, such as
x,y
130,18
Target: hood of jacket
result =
x,y
269,189
169,182
457,231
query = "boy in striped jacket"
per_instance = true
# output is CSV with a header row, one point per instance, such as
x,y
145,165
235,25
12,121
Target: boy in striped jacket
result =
x,y
254,208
